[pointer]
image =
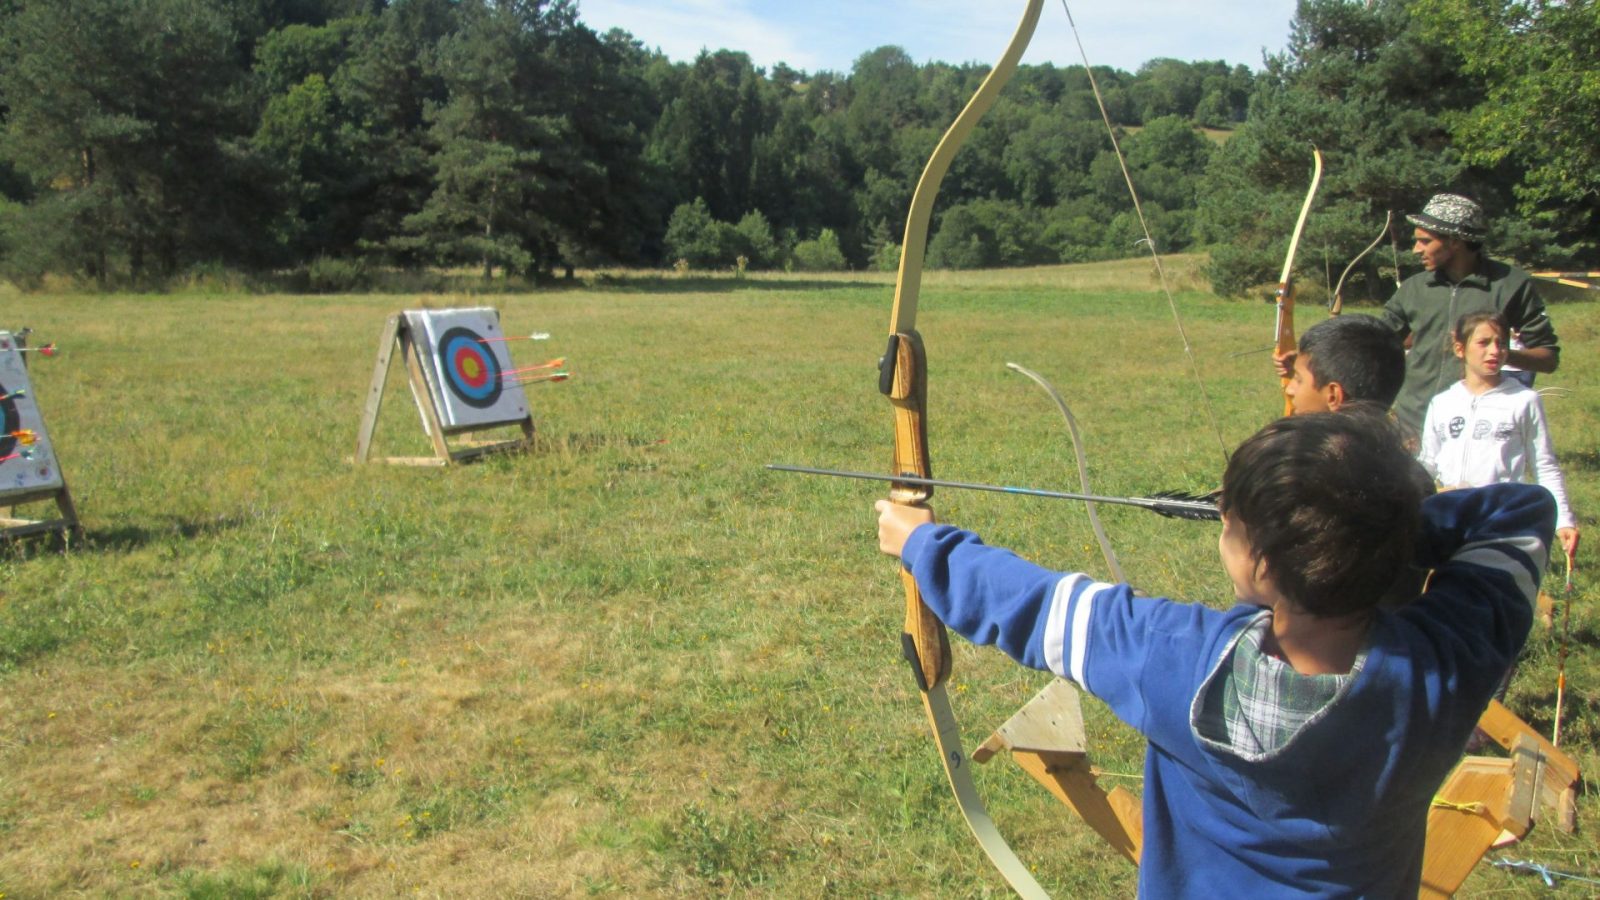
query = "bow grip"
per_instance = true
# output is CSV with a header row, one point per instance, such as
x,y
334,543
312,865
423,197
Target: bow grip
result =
x,y
902,376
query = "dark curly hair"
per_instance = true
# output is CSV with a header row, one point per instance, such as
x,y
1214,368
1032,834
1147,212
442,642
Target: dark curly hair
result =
x,y
1331,503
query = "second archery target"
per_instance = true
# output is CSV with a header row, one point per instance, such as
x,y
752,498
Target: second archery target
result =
x,y
463,357
32,463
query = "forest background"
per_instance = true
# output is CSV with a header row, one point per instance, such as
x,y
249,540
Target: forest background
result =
x,y
314,143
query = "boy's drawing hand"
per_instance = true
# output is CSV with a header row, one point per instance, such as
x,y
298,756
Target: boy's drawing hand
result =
x,y
1569,540
896,522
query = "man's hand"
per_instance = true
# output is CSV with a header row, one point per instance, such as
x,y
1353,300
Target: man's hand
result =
x,y
896,522
1536,359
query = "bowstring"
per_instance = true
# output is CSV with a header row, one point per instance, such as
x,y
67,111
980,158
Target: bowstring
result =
x,y
1149,240
1078,454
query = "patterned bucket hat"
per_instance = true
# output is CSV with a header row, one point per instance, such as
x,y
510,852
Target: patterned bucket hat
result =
x,y
1452,215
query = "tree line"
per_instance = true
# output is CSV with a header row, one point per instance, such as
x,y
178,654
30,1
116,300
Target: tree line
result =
x,y
142,139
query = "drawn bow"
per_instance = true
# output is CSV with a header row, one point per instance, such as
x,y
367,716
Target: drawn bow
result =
x,y
1284,329
903,378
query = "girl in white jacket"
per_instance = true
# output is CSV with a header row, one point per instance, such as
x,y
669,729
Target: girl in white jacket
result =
x,y
1488,428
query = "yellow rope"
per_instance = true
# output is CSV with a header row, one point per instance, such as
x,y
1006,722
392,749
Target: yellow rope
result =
x,y
1474,808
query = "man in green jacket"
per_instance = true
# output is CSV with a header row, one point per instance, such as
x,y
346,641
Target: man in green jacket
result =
x,y
1459,279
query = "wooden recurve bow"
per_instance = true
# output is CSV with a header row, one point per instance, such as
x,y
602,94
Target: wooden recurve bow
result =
x,y
1284,329
903,378
1336,302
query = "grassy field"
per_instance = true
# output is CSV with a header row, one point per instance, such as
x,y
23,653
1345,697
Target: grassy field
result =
x,y
632,662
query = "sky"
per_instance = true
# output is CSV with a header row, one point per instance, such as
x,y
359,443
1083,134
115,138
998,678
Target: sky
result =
x,y
814,35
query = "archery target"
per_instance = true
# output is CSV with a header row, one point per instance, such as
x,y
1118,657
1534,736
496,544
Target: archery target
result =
x,y
18,412
468,368
464,359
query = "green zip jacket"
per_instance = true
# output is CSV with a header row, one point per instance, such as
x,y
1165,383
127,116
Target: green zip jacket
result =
x,y
1427,306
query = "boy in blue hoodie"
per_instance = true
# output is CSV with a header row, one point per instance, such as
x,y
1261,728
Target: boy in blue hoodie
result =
x,y
1294,741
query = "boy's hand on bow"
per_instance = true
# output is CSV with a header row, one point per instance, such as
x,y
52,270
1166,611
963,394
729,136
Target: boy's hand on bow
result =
x,y
896,522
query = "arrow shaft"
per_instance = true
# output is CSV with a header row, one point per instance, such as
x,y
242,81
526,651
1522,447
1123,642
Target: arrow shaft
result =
x,y
1191,507
557,363
535,379
516,337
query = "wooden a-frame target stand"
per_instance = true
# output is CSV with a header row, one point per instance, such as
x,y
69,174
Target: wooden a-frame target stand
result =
x,y
40,478
402,333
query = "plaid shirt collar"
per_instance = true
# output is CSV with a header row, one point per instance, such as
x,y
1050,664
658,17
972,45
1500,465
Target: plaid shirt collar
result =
x,y
1254,703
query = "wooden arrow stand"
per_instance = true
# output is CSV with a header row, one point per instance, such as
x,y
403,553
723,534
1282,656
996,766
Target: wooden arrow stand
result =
x,y
1485,802
397,334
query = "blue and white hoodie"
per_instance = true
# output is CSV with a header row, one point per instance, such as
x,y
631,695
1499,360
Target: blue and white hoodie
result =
x,y
1340,809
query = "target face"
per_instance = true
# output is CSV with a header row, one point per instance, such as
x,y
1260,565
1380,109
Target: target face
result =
x,y
470,368
18,412
464,359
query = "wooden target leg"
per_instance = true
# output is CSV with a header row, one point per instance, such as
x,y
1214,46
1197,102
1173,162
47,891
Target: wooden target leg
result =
x,y
1557,773
1046,738
1483,802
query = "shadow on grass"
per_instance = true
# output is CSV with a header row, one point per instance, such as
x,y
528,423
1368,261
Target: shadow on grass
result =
x,y
125,538
1583,460
590,441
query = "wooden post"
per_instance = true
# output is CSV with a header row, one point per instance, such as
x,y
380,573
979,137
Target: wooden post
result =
x,y
1484,802
1556,773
